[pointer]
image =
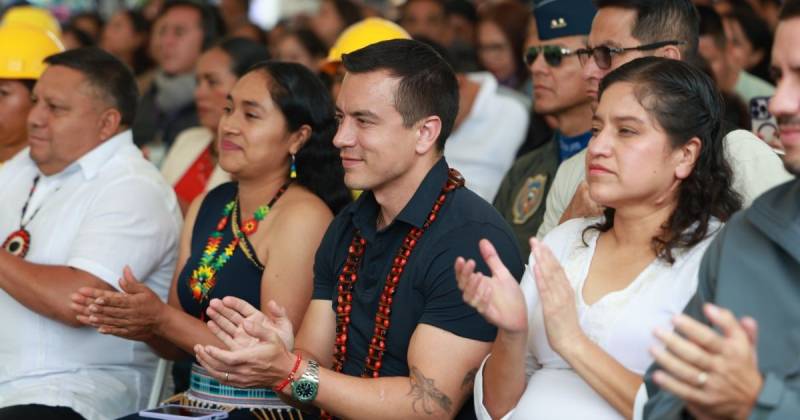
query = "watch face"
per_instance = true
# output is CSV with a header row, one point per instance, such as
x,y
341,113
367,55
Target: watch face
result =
x,y
304,390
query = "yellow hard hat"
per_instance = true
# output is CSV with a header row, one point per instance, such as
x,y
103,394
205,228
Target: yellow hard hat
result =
x,y
364,33
23,50
33,16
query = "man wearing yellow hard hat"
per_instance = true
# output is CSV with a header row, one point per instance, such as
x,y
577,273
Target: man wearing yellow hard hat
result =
x,y
22,51
36,17
358,35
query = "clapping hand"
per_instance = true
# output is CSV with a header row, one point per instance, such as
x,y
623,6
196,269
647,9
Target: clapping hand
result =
x,y
258,343
135,313
716,374
498,298
557,298
227,317
581,205
262,363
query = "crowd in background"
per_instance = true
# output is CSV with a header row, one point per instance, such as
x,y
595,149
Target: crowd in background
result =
x,y
188,154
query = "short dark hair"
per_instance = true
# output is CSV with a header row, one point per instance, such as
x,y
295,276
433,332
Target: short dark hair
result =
x,y
427,87
348,10
791,9
462,8
686,103
210,21
310,41
82,37
244,54
711,25
104,72
662,20
304,100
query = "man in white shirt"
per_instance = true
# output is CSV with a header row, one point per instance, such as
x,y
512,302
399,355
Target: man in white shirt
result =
x,y
79,204
622,31
490,127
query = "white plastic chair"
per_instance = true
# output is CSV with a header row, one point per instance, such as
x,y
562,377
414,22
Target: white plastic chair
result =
x,y
162,383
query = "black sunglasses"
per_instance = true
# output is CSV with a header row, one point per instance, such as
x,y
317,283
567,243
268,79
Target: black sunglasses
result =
x,y
553,54
603,54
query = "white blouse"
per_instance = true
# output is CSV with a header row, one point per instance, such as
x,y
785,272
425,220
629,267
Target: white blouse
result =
x,y
621,323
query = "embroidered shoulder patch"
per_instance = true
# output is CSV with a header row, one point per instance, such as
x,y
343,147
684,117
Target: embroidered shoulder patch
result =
x,y
529,198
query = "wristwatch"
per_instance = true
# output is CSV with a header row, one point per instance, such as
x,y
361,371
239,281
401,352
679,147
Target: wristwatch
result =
x,y
304,389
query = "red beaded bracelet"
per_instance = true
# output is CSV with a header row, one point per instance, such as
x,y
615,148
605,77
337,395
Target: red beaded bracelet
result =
x,y
289,378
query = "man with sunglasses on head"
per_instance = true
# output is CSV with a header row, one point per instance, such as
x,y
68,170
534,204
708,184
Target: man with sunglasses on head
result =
x,y
622,31
560,92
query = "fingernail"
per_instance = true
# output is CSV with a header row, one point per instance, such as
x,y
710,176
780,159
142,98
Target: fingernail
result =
x,y
658,376
712,309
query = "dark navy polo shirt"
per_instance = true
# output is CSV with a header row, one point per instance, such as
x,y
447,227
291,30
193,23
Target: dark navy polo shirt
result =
x,y
427,292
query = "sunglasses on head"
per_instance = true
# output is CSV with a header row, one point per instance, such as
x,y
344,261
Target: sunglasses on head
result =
x,y
603,54
553,54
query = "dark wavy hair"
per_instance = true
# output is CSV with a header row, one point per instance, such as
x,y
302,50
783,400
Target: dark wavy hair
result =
x,y
303,100
686,104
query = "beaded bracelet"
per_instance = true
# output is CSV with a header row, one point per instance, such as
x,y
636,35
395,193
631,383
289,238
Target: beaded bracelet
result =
x,y
289,378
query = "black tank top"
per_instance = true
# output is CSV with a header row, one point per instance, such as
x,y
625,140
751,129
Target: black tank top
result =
x,y
239,277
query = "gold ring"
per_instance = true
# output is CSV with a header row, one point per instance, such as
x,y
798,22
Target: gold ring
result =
x,y
702,378
226,376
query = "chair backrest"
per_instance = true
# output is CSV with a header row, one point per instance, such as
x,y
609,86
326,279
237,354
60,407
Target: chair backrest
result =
x,y
162,383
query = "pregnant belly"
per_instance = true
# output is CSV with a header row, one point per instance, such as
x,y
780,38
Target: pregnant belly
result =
x,y
562,394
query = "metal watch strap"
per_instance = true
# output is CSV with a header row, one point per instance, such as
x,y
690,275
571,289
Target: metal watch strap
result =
x,y
304,388
312,371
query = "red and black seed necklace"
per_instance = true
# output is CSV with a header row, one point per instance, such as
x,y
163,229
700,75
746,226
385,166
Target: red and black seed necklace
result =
x,y
349,276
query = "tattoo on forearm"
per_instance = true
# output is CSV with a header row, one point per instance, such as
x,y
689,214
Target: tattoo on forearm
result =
x,y
469,379
425,394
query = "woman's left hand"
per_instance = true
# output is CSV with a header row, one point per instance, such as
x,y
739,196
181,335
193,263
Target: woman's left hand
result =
x,y
135,314
264,363
557,299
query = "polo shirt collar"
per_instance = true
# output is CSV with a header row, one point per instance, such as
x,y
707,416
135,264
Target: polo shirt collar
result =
x,y
364,212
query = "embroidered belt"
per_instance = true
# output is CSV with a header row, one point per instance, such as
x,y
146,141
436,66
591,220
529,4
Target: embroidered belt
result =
x,y
204,389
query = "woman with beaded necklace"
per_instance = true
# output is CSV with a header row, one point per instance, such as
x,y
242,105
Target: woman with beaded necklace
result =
x,y
254,239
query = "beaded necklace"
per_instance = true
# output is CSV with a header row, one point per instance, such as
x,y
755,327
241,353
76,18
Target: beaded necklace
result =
x,y
204,277
18,242
349,276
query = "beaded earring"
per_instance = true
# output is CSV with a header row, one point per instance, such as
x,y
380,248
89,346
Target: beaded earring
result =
x,y
293,170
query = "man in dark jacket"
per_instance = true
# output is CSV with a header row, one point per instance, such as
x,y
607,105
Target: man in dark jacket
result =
x,y
746,367
181,32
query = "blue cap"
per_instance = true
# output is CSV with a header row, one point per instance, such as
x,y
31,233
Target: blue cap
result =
x,y
558,18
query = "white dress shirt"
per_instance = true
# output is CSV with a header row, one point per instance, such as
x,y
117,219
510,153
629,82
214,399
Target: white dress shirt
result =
x,y
484,146
109,209
621,323
756,169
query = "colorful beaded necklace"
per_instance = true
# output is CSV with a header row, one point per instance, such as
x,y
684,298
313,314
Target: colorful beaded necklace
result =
x,y
204,277
349,276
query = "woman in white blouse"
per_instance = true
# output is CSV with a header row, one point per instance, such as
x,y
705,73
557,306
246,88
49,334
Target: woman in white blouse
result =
x,y
574,336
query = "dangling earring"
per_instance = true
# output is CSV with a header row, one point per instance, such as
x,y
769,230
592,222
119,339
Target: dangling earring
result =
x,y
293,170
